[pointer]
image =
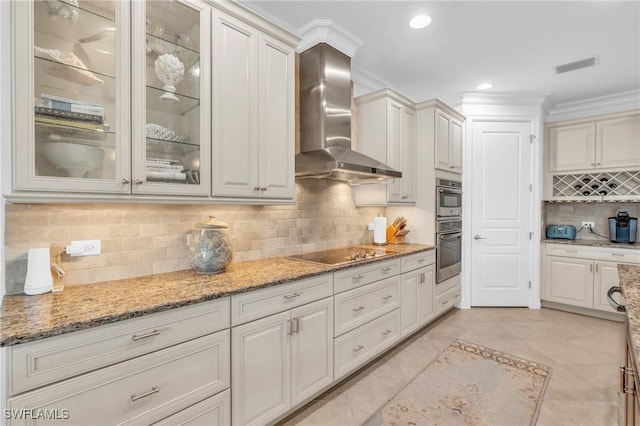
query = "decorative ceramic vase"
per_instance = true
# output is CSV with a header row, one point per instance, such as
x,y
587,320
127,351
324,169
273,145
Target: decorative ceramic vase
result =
x,y
170,70
210,250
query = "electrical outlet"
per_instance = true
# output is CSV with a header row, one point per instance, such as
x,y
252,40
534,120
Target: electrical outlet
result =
x,y
89,247
591,225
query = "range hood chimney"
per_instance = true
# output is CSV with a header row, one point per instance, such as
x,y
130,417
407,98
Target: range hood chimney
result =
x,y
325,122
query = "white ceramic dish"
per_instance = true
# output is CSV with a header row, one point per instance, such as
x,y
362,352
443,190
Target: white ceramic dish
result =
x,y
75,159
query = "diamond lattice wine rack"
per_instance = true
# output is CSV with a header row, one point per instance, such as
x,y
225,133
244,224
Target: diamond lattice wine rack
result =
x,y
626,183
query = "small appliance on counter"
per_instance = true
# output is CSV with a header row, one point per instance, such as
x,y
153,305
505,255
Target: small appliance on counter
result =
x,y
561,232
622,227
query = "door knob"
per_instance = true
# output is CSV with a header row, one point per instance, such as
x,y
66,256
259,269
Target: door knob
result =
x,y
478,237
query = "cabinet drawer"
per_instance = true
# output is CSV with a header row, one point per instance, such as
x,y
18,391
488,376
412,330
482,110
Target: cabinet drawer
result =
x,y
362,344
417,260
49,360
261,303
213,411
447,299
140,391
358,306
447,284
613,254
366,274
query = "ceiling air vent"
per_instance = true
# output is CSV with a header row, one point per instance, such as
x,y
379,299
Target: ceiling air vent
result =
x,y
572,66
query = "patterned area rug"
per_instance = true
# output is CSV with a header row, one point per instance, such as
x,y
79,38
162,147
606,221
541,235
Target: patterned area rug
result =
x,y
469,384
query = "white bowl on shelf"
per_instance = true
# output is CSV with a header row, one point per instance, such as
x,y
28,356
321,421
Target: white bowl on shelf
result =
x,y
75,159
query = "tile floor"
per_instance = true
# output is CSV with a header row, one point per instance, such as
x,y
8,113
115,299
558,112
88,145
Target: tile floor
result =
x,y
584,353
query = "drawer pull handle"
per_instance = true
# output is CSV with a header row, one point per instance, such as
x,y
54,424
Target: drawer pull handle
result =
x,y
444,302
387,331
617,254
153,390
135,337
291,296
358,309
385,270
387,297
358,349
571,251
421,260
357,277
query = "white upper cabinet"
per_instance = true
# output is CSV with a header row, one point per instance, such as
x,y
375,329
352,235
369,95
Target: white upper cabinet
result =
x,y
253,105
72,96
448,142
611,142
171,107
156,100
595,158
572,147
386,132
618,142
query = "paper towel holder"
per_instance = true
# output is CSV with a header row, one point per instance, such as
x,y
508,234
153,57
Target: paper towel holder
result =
x,y
38,279
380,230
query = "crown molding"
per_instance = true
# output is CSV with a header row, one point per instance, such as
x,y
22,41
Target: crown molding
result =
x,y
327,31
366,82
504,98
254,7
617,102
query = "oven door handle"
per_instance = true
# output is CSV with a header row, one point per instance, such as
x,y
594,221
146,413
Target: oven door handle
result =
x,y
451,236
450,191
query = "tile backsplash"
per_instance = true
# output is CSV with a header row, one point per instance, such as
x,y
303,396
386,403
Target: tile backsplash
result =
x,y
575,213
143,239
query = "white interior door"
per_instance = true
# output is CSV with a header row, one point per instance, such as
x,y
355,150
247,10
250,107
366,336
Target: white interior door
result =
x,y
501,214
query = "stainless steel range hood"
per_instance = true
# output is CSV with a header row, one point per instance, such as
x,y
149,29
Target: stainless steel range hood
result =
x,y
325,122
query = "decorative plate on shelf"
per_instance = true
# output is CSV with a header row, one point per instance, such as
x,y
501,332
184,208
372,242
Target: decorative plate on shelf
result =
x,y
156,131
75,71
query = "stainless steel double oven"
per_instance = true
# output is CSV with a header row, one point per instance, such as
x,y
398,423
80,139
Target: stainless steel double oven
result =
x,y
448,229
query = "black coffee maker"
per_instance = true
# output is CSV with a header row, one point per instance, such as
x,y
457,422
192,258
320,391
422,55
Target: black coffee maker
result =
x,y
623,228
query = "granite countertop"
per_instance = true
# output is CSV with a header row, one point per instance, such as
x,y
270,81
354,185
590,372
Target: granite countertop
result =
x,y
27,318
630,285
594,243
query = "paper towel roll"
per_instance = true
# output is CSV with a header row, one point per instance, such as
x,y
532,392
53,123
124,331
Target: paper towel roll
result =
x,y
380,230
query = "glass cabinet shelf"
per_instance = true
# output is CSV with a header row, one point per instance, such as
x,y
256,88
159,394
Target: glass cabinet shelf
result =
x,y
170,147
60,133
70,73
183,106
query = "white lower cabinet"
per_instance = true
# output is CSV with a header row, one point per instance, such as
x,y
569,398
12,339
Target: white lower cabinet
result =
x,y
213,411
281,360
143,390
578,275
358,346
137,371
416,299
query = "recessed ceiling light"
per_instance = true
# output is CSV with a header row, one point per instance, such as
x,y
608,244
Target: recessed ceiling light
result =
x,y
420,21
484,86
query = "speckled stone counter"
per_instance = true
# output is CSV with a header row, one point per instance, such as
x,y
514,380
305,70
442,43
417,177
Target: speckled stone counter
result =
x,y
28,318
630,285
593,243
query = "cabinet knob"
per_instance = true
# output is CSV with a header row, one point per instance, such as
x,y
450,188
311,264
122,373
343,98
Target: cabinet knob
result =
x,y
125,181
264,188
139,181
256,188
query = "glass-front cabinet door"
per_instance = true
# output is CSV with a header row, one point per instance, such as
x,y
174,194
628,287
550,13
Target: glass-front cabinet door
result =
x,y
72,96
171,97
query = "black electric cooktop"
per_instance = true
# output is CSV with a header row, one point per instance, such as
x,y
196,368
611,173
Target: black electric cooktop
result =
x,y
343,255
